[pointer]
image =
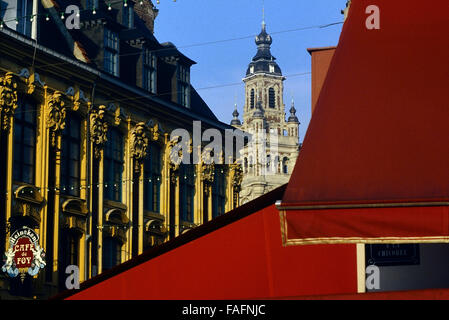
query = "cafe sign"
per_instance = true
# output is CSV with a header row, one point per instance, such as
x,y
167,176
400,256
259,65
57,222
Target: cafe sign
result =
x,y
24,255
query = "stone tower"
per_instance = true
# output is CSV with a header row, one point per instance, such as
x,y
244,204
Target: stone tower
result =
x,y
270,156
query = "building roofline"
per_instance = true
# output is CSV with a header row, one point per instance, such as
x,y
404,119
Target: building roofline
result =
x,y
311,50
111,79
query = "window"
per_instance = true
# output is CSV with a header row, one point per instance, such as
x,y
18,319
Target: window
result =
x,y
271,68
218,192
111,52
111,252
252,99
128,16
91,4
24,12
25,142
70,249
149,71
272,98
251,164
71,157
183,76
268,163
186,191
152,178
285,165
113,166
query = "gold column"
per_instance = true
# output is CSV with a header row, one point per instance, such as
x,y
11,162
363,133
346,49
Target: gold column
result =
x,y
52,118
84,193
128,196
100,211
141,208
197,218
8,104
98,132
165,184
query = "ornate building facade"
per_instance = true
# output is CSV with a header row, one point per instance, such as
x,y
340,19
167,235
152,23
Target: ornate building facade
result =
x,y
271,153
86,117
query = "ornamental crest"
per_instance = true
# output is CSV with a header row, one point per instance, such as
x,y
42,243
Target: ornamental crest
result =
x,y
8,98
56,115
236,169
207,167
24,254
98,129
139,144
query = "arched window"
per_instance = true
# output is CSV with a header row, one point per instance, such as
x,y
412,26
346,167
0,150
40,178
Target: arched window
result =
x,y
186,191
252,99
218,192
152,179
245,165
113,165
272,98
268,163
25,127
285,165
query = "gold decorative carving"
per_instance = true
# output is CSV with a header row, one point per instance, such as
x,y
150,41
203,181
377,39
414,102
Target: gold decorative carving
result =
x,y
8,99
237,176
98,130
174,166
56,116
139,144
155,132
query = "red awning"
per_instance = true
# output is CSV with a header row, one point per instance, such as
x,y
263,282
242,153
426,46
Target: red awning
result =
x,y
375,160
238,255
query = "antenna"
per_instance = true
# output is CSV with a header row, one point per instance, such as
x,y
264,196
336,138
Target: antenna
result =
x,y
263,13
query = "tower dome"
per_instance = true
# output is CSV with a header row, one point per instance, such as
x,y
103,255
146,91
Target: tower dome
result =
x,y
235,121
263,61
293,118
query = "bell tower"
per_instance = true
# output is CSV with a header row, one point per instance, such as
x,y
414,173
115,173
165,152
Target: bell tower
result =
x,y
264,85
269,157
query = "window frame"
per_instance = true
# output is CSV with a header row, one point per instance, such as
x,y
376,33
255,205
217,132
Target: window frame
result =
x,y
187,192
272,98
67,160
153,179
110,258
128,16
23,12
149,83
251,99
111,52
183,80
21,123
113,167
219,192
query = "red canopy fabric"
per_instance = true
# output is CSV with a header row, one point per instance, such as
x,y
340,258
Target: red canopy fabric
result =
x,y
236,256
379,135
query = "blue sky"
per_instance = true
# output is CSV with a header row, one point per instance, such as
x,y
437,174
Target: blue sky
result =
x,y
190,22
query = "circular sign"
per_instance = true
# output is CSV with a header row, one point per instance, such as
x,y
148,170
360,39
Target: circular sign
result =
x,y
24,254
